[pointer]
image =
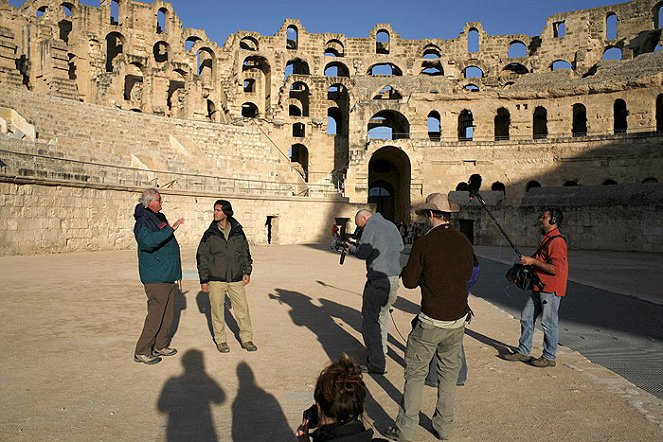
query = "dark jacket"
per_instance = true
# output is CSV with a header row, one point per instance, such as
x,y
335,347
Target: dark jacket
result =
x,y
221,260
441,264
158,250
352,431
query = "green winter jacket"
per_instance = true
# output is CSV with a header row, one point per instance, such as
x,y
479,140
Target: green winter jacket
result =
x,y
221,260
158,250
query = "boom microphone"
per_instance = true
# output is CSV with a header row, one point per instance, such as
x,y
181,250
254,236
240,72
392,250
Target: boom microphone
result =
x,y
474,185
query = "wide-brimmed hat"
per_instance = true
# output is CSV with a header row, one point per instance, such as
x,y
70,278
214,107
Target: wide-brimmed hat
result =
x,y
438,202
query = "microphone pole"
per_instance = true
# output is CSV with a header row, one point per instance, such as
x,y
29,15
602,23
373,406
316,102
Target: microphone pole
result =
x,y
483,204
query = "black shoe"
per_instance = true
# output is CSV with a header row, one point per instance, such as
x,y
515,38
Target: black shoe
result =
x,y
392,432
365,369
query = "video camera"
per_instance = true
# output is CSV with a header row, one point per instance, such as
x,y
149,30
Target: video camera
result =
x,y
352,239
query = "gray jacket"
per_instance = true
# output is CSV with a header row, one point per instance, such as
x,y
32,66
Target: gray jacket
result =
x,y
381,246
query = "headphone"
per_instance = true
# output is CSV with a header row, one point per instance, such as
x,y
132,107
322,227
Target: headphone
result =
x,y
555,216
226,207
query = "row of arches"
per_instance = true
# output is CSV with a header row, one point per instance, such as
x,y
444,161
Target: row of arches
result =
x,y
498,186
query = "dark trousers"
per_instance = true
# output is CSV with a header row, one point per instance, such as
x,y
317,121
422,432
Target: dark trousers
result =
x,y
376,296
160,302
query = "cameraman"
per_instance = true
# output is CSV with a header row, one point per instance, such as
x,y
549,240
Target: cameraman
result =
x,y
381,246
339,403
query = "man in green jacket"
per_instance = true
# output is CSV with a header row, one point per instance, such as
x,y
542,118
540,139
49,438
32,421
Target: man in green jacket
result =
x,y
224,267
159,266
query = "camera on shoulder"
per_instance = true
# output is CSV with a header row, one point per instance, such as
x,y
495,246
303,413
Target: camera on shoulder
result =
x,y
311,414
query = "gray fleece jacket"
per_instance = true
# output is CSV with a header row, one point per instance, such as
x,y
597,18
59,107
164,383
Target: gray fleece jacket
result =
x,y
381,246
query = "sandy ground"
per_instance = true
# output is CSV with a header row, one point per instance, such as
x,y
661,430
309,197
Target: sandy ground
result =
x,y
69,325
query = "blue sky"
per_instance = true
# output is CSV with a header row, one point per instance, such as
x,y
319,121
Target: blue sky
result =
x,y
412,19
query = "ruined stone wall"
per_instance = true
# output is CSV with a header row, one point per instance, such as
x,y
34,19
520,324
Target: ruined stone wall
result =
x,y
41,217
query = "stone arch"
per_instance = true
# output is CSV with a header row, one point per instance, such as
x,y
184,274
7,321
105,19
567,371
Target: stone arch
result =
x,y
390,169
517,49
609,182
334,48
620,114
472,71
388,125
334,121
386,69
434,126
338,93
299,91
249,43
472,40
176,94
336,69
387,93
431,52
160,51
299,155
650,180
612,53
291,37
133,83
502,124
162,20
532,185
115,43
514,69
206,60
465,125
249,110
471,87
560,64
382,38
432,68
191,41
571,183
296,66
611,25
71,66
579,127
257,68
540,123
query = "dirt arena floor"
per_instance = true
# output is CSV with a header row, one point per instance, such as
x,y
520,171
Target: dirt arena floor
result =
x,y
70,322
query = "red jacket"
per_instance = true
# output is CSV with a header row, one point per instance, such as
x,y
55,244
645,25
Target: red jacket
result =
x,y
554,253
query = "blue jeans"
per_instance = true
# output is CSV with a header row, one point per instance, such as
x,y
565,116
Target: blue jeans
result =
x,y
545,304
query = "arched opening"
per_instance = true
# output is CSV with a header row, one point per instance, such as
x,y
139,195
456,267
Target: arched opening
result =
x,y
299,158
65,27
389,175
296,66
258,69
115,12
206,66
465,125
249,85
294,110
388,125
292,37
531,185
432,68
190,42
612,53
571,183
431,52
620,113
299,91
334,121
160,52
498,187
133,83
659,113
382,42
248,44
162,19
338,93
71,66
385,69
502,124
611,26
387,93
176,93
609,182
650,180
471,87
336,69
211,110
540,123
334,48
473,72
658,15
434,126
517,49
67,9
249,110
559,29
41,11
579,128
114,47
473,41
560,64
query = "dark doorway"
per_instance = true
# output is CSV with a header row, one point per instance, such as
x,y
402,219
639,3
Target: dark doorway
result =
x,y
466,227
389,183
271,224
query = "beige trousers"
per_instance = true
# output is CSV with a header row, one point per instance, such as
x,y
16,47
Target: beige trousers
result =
x,y
237,295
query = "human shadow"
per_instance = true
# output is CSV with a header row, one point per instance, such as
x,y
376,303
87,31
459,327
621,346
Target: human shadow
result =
x,y
256,414
335,339
500,346
187,400
204,307
179,305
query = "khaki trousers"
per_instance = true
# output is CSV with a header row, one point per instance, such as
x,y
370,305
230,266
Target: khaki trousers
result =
x,y
237,295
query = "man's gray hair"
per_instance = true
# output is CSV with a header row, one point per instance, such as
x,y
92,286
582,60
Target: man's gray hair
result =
x,y
363,212
148,196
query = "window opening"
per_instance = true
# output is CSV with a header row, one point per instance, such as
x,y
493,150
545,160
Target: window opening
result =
x,y
382,42
540,123
502,124
611,26
560,64
612,53
465,126
473,41
292,37
559,29
115,12
434,126
579,128
517,49
620,114
161,20
249,85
